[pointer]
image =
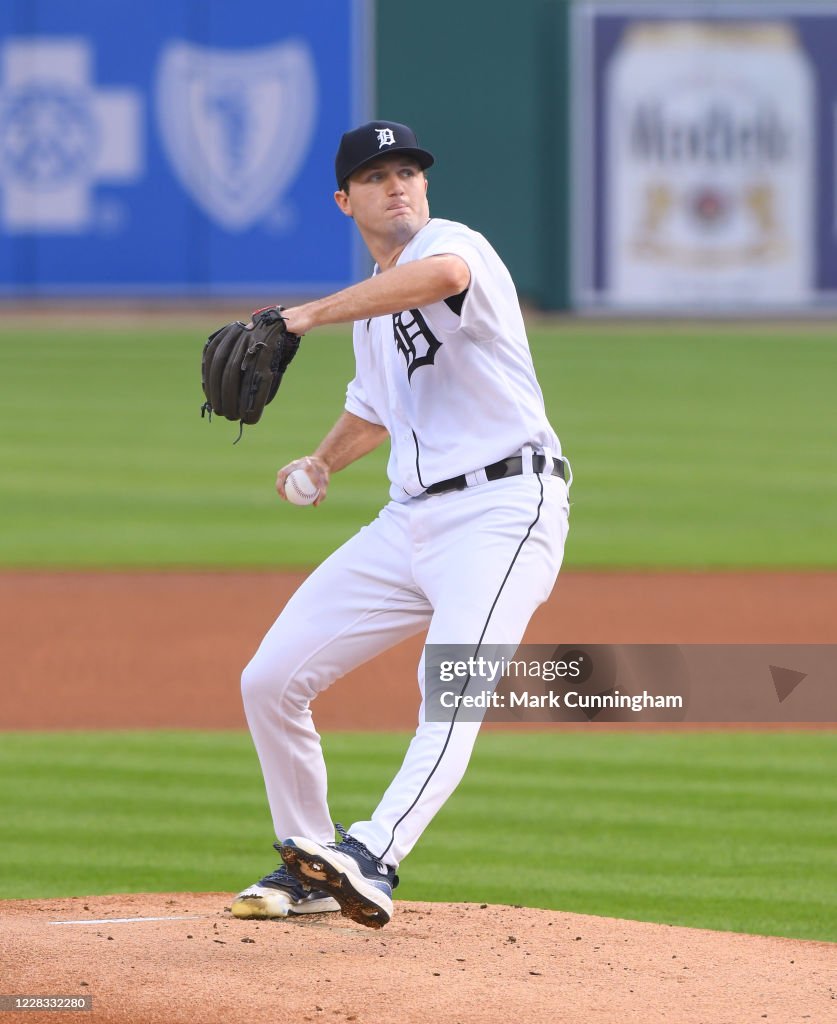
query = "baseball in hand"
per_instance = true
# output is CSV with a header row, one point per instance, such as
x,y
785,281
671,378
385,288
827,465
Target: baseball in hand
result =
x,y
299,488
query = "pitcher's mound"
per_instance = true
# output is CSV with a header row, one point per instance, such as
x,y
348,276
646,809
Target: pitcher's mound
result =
x,y
182,957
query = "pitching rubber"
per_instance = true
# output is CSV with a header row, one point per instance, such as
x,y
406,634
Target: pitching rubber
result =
x,y
359,900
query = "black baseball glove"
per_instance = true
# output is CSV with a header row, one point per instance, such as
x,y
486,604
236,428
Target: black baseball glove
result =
x,y
242,366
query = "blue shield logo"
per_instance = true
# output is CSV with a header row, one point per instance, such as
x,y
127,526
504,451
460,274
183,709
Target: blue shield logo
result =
x,y
236,124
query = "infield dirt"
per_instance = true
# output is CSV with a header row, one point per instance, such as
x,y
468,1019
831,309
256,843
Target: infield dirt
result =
x,y
433,963
166,649
97,650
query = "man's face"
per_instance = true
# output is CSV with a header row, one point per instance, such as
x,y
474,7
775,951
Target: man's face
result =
x,y
387,197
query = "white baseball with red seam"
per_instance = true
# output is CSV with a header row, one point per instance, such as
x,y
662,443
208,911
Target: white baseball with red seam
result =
x,y
300,489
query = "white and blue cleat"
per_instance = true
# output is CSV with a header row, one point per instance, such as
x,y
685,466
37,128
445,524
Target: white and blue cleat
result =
x,y
346,871
279,894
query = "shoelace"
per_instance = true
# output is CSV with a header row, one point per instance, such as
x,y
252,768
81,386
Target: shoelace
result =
x,y
281,876
363,850
353,844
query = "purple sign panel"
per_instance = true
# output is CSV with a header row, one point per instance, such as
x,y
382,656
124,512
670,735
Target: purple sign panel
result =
x,y
704,142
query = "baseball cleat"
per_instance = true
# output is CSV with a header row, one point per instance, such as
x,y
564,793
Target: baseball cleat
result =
x,y
279,894
360,883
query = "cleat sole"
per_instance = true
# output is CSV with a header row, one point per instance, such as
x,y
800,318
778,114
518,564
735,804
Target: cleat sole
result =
x,y
354,904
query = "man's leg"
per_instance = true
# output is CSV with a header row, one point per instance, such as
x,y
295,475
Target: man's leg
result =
x,y
359,602
486,559
500,548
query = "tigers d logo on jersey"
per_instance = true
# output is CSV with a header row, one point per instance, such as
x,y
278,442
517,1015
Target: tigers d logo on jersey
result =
x,y
414,340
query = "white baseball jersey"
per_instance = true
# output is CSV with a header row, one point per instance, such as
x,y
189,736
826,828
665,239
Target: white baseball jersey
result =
x,y
456,389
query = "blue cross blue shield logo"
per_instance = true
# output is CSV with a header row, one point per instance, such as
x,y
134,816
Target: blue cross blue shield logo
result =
x,y
237,124
61,135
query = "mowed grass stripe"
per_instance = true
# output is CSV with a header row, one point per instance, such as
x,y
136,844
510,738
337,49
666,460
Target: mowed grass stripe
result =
x,y
717,830
694,445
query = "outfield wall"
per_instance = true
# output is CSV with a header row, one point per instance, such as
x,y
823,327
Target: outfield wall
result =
x,y
178,146
628,155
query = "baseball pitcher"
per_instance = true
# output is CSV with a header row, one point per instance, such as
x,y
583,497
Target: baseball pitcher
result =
x,y
466,549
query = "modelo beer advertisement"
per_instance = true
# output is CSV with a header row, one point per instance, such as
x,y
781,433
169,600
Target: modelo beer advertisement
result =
x,y
704,156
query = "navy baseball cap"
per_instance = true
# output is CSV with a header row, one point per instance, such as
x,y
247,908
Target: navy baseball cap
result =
x,y
376,138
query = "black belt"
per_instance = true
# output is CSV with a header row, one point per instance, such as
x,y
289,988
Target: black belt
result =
x,y
513,466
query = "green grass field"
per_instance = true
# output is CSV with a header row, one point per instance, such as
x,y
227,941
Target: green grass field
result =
x,y
694,445
717,830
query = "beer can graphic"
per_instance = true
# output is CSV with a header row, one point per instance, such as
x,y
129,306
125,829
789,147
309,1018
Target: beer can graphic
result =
x,y
710,162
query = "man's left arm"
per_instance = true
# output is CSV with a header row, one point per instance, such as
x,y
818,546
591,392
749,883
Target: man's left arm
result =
x,y
418,283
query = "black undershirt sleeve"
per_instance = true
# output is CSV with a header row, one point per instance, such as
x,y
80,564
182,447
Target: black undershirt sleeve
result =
x,y
454,303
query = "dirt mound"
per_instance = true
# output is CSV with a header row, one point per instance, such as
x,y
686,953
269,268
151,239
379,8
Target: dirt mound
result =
x,y
184,958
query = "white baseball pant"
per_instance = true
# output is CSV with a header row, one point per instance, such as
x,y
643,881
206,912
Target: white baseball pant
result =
x,y
470,566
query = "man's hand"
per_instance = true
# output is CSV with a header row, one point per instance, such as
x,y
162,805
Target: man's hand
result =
x,y
316,468
349,439
298,320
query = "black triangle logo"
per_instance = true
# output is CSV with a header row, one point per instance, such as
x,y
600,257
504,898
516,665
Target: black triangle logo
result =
x,y
786,681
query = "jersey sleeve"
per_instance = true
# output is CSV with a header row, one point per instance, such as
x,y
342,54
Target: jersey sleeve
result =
x,y
478,316
358,404
360,391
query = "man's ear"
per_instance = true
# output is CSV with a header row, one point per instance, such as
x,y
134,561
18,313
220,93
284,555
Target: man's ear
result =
x,y
343,201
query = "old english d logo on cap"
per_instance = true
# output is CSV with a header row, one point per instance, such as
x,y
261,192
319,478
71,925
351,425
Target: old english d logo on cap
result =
x,y
370,140
386,137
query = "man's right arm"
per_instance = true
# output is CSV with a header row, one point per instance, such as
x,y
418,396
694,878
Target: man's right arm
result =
x,y
414,284
348,440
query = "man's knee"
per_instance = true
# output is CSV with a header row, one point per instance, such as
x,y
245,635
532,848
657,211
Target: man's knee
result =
x,y
265,682
258,683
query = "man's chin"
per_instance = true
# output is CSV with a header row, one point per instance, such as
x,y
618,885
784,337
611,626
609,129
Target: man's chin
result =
x,y
403,228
